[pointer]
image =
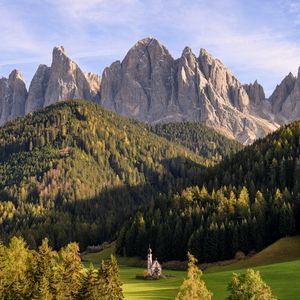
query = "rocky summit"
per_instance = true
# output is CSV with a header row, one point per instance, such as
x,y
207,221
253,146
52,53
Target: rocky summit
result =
x,y
13,95
151,86
63,80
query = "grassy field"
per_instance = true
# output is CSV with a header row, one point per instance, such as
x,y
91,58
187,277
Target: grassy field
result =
x,y
283,277
284,250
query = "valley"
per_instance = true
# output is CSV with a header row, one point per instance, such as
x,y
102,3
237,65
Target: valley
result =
x,y
279,265
140,139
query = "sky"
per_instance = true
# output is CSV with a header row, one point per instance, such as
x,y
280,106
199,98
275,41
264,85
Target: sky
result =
x,y
255,39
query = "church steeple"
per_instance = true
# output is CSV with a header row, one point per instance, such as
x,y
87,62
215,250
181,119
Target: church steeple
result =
x,y
149,260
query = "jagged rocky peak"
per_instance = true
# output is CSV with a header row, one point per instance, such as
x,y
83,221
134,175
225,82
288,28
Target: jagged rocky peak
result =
x,y
110,85
206,60
189,81
255,92
187,52
281,93
13,95
37,89
94,81
224,84
151,86
285,99
188,58
62,81
59,50
140,86
16,75
146,52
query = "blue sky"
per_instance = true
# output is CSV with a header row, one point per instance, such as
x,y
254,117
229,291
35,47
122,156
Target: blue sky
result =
x,y
258,39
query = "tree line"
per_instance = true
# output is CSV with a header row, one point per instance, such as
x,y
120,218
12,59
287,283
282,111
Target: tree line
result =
x,y
214,226
46,274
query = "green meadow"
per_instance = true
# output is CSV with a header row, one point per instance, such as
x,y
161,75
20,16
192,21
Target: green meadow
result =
x,y
283,277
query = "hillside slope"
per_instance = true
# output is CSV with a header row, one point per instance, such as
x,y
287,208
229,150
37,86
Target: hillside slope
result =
x,y
283,250
244,203
198,138
75,171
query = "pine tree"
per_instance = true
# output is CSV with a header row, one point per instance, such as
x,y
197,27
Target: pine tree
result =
x,y
102,280
17,270
71,269
43,290
177,240
114,287
45,264
243,203
193,287
88,289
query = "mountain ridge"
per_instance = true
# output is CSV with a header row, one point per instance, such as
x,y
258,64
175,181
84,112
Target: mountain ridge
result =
x,y
151,86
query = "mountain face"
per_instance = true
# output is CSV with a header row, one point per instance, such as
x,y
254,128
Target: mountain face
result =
x,y
151,86
63,80
285,99
13,95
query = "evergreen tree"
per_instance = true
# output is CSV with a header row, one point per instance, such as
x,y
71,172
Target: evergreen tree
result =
x,y
114,283
88,289
43,290
71,268
45,265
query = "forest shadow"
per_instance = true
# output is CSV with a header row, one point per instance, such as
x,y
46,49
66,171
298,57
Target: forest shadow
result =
x,y
98,219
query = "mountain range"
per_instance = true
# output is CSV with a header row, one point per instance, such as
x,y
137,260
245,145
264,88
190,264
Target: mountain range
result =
x,y
151,86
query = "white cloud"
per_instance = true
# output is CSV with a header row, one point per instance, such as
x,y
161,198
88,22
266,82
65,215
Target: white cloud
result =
x,y
105,29
225,31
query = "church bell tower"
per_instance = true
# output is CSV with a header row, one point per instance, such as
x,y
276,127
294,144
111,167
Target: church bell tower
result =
x,y
149,260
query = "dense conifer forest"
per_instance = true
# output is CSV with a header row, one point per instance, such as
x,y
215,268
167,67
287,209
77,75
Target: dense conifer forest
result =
x,y
75,171
242,204
198,138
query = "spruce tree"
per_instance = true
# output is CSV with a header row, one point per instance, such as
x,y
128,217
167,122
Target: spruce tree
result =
x,y
43,290
102,280
46,264
88,289
71,269
114,287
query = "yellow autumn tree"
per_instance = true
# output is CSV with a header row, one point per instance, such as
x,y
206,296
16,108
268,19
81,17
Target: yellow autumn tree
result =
x,y
193,287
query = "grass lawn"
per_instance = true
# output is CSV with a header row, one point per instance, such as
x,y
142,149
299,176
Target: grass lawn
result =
x,y
279,265
284,279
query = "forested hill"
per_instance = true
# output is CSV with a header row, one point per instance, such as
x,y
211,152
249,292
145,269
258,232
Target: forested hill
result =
x,y
198,138
268,164
75,171
244,203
